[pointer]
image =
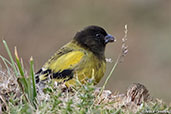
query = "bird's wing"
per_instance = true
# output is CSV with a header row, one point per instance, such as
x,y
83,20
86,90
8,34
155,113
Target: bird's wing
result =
x,y
62,64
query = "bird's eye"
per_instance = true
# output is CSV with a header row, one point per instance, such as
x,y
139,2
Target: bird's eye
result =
x,y
98,35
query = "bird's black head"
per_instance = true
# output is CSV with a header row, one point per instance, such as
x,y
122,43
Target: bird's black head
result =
x,y
94,38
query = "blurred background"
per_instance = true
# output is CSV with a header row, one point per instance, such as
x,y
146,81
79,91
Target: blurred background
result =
x,y
39,27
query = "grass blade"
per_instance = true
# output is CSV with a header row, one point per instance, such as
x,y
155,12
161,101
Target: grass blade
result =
x,y
24,81
32,89
10,56
19,63
5,63
5,60
33,77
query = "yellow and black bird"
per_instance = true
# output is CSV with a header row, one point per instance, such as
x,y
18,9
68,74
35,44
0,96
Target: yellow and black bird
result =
x,y
82,58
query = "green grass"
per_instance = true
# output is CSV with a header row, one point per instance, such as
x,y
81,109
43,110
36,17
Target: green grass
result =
x,y
51,100
26,82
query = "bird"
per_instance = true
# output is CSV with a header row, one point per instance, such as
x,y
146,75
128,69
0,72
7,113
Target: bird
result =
x,y
80,59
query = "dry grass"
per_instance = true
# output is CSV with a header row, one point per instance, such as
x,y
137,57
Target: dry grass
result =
x,y
53,99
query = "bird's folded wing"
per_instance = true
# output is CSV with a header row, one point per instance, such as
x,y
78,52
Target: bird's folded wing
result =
x,y
67,61
61,66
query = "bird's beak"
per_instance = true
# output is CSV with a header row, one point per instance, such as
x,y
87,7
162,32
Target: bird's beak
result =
x,y
109,38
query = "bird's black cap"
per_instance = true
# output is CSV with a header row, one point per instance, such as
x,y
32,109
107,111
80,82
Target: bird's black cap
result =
x,y
94,38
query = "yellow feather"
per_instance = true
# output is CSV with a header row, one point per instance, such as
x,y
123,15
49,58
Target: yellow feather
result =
x,y
67,61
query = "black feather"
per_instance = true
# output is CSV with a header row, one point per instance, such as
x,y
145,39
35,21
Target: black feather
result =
x,y
92,38
63,75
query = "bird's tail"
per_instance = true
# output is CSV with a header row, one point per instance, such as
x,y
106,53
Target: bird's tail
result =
x,y
42,75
